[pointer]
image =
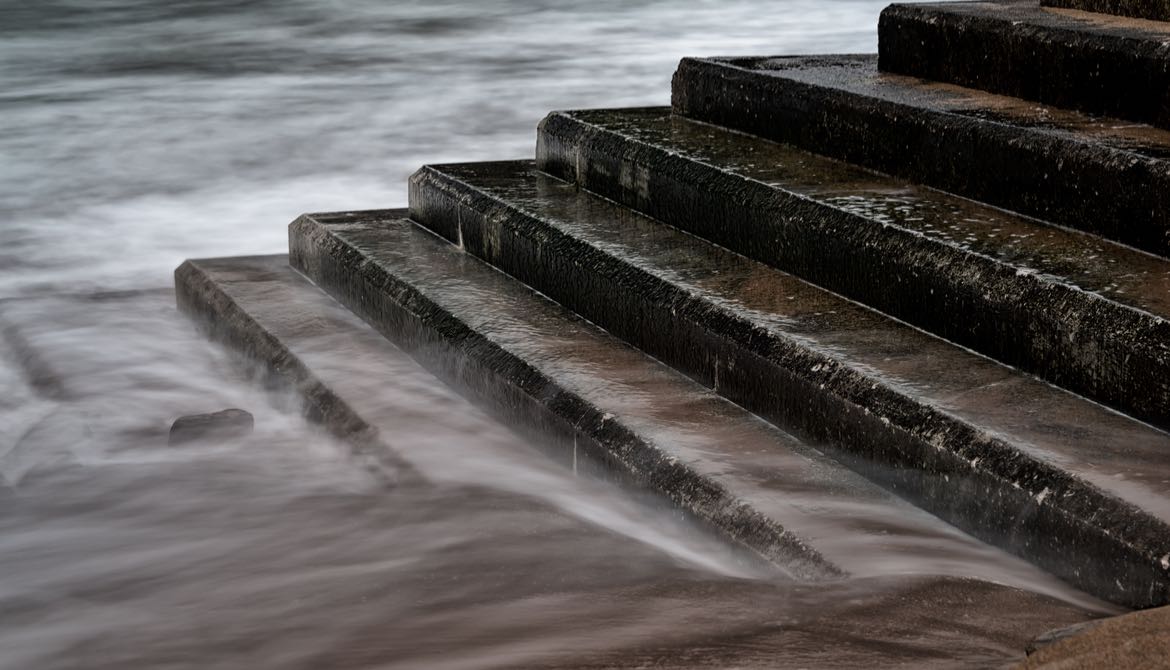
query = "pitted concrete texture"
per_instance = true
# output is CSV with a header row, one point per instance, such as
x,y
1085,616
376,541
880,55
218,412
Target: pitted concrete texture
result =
x,y
669,617
262,308
1157,10
1074,487
1096,63
1100,175
1084,313
537,363
1136,640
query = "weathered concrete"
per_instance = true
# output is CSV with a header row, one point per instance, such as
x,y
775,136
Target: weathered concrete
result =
x,y
533,360
905,621
1157,10
1082,312
1096,63
1097,175
1076,488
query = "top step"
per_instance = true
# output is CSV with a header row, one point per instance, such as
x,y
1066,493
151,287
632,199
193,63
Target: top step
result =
x,y
1102,176
1158,10
1092,62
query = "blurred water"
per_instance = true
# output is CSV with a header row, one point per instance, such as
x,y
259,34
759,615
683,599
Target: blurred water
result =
x,y
137,133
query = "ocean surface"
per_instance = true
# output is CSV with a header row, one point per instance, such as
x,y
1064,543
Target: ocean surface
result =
x,y
137,133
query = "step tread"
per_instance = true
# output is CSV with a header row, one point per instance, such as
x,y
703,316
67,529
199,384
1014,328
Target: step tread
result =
x,y
344,369
850,524
255,299
859,74
1114,271
1084,313
1094,62
1116,454
1101,175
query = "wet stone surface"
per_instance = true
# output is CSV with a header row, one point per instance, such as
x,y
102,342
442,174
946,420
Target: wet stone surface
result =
x,y
1097,174
515,570
1100,64
986,447
1085,313
812,517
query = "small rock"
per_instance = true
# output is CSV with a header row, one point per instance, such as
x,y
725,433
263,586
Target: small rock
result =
x,y
225,425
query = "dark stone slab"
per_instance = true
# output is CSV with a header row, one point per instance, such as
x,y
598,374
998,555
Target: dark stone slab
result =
x,y
1084,313
1157,10
1076,488
1096,63
1098,175
531,360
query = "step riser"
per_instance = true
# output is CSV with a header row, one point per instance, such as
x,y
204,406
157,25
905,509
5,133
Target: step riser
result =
x,y
1156,10
1072,338
1117,195
1100,74
968,479
521,396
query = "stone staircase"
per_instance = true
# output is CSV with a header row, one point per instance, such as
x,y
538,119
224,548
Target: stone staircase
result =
x,y
819,298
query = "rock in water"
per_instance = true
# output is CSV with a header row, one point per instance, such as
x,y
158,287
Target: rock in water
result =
x,y
225,425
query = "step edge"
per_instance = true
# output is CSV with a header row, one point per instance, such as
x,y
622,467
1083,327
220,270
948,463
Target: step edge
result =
x,y
1146,546
1050,152
1151,51
1050,279
1034,134
736,519
199,297
1146,334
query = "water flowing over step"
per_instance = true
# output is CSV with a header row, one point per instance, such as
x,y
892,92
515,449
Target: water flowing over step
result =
x,y
1100,175
1076,488
1093,62
538,364
511,527
1086,314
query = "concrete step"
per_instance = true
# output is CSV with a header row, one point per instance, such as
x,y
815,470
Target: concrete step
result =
x,y
600,401
1092,62
1076,488
1156,10
1099,175
1086,314
904,616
